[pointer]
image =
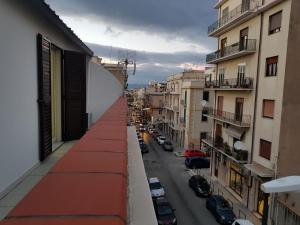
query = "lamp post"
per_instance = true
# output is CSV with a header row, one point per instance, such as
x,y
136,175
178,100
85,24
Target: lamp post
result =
x,y
284,184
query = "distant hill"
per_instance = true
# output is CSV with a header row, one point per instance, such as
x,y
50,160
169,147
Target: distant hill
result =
x,y
132,86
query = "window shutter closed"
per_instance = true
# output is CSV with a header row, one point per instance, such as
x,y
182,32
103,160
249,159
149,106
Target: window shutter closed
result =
x,y
275,21
44,96
272,60
268,108
265,149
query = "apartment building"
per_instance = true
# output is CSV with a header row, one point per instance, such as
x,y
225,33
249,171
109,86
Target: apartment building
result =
x,y
154,103
256,112
183,120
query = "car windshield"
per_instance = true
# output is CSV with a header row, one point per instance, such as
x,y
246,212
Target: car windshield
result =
x,y
156,185
168,143
164,210
162,138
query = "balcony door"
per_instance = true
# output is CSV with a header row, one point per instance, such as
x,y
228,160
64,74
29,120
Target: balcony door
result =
x,y
220,105
241,75
244,39
239,103
223,46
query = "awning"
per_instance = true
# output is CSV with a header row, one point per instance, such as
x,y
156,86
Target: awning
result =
x,y
235,132
260,170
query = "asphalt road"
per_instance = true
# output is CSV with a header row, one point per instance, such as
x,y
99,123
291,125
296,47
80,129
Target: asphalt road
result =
x,y
171,171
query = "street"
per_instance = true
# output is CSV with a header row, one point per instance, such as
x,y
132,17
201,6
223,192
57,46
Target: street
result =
x,y
171,171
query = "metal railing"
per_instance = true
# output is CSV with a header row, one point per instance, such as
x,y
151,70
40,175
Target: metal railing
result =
x,y
241,120
234,14
246,83
231,152
248,45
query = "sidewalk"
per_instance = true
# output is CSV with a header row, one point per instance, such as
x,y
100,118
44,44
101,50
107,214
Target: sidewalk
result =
x,y
239,209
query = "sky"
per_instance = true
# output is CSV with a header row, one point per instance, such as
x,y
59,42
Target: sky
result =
x,y
163,36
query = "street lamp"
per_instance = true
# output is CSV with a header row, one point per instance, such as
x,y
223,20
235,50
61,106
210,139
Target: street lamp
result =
x,y
284,184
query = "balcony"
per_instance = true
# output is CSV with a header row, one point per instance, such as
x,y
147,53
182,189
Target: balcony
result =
x,y
233,51
235,17
233,84
239,156
228,117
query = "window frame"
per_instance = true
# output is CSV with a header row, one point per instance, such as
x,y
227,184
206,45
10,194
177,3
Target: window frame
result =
x,y
277,29
267,72
263,108
260,149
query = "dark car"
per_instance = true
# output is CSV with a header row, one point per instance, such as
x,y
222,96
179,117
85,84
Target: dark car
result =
x,y
164,212
200,186
144,148
221,209
197,162
168,146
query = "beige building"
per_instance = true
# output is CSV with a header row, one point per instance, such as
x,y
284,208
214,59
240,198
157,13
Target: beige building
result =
x,y
154,102
256,113
184,123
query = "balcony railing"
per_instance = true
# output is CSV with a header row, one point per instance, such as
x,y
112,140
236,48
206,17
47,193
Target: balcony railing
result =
x,y
234,15
240,120
233,83
235,50
240,156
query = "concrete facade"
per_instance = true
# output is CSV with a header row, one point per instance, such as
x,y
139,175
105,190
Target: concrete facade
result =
x,y
281,129
183,119
20,23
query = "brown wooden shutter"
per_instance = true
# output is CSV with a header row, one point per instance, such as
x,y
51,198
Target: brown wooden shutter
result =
x,y
265,149
44,96
74,95
268,108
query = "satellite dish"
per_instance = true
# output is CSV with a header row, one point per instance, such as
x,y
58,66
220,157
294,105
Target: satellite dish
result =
x,y
204,103
239,146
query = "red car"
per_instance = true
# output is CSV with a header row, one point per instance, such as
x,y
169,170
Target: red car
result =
x,y
190,153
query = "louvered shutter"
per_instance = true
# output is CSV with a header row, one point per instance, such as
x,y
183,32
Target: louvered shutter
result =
x,y
44,96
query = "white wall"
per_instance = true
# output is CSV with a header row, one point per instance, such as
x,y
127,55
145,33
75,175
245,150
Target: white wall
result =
x,y
19,141
103,90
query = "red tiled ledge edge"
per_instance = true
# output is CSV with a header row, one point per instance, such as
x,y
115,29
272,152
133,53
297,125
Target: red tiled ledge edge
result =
x,y
88,185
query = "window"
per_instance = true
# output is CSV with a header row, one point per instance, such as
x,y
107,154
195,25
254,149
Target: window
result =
x,y
271,66
275,22
268,108
221,77
206,95
202,136
160,111
241,74
265,149
204,118
236,179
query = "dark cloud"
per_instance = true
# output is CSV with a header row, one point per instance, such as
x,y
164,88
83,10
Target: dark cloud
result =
x,y
151,66
183,19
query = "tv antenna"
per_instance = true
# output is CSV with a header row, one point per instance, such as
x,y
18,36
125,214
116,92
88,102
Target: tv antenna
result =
x,y
127,59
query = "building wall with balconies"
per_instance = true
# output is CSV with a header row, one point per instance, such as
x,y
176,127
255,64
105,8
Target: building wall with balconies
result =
x,y
271,87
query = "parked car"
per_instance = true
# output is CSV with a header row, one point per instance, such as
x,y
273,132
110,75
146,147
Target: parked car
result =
x,y
168,146
161,140
141,141
200,186
144,148
142,129
191,153
164,212
197,162
221,209
242,222
156,188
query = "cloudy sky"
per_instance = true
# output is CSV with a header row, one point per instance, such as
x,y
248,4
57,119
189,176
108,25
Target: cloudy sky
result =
x,y
164,36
